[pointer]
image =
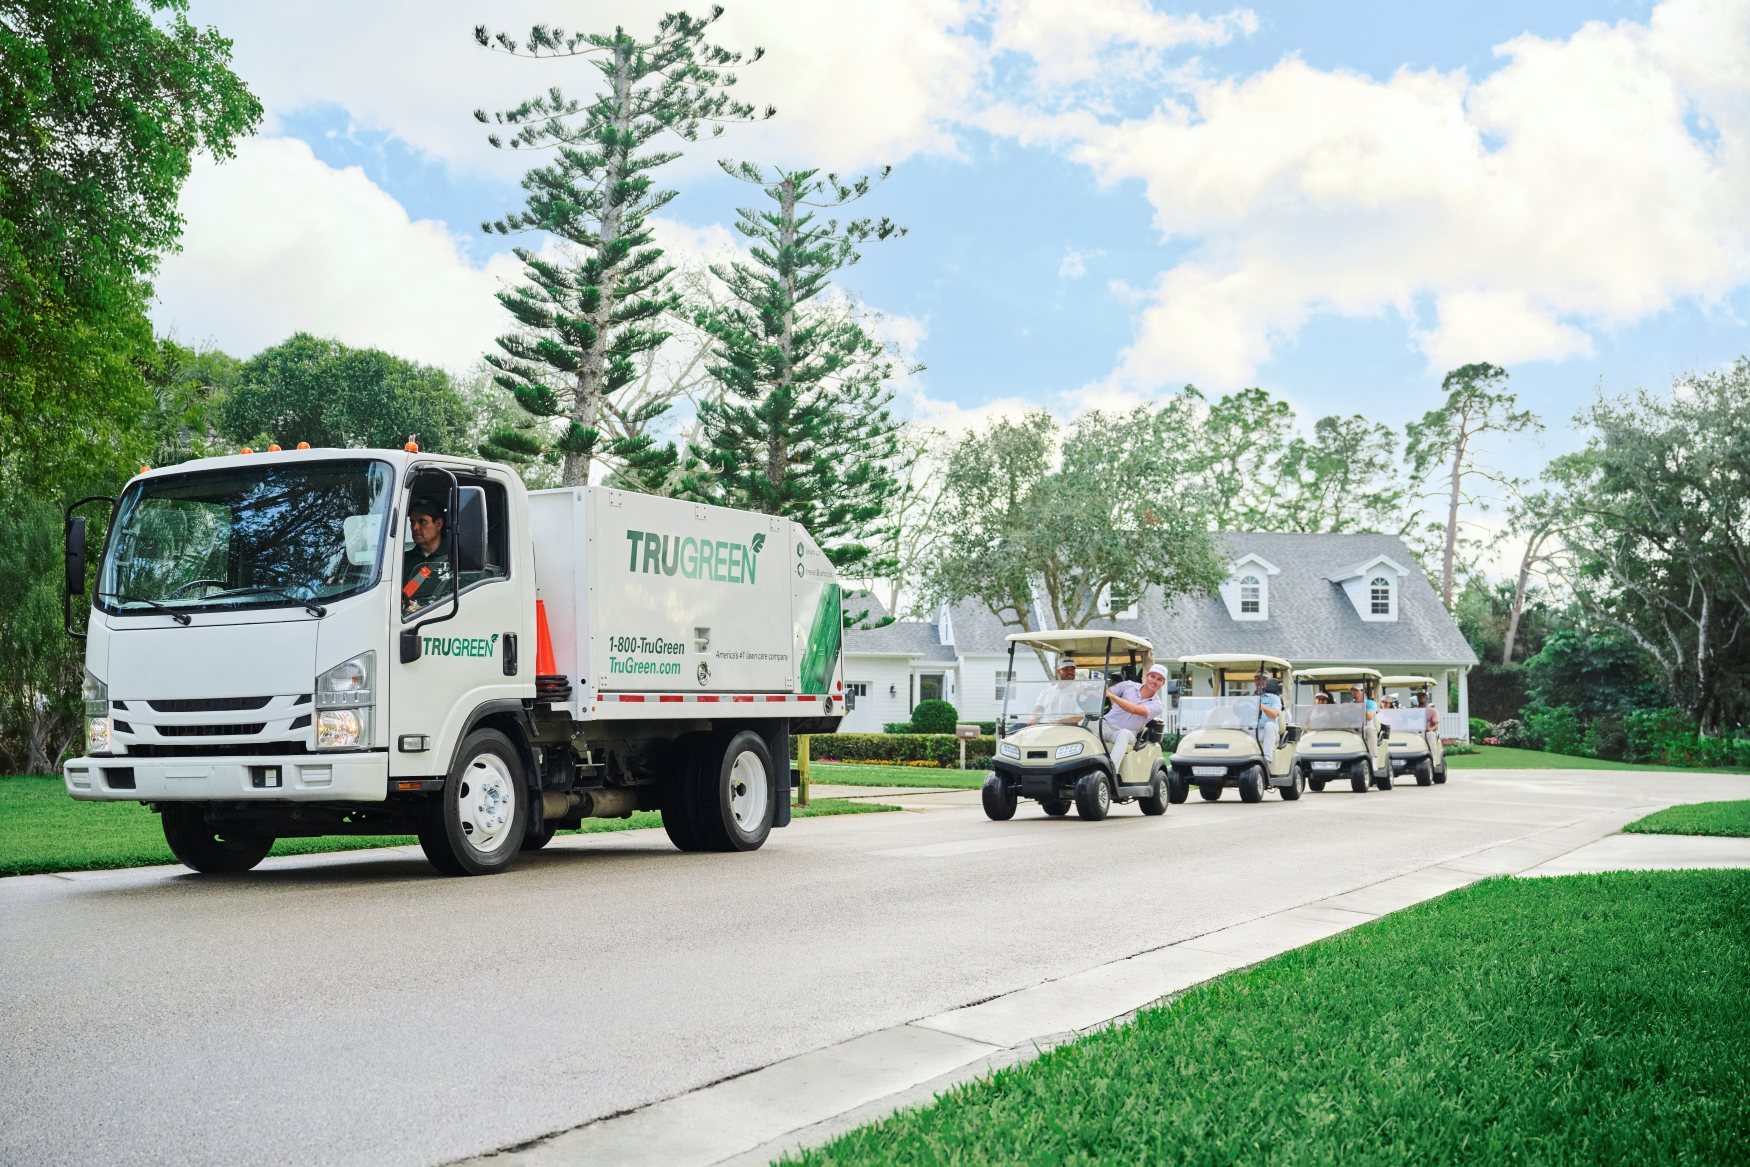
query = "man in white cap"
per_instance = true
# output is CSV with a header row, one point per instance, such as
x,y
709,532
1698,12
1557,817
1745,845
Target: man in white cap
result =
x,y
1133,707
1060,702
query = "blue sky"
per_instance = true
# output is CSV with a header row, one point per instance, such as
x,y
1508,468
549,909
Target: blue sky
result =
x,y
1335,201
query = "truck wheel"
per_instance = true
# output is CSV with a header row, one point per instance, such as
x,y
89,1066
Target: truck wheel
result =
x,y
999,800
1297,783
1316,785
1155,801
734,797
197,845
1178,787
1252,784
1055,807
1424,773
1358,778
534,841
1210,791
676,790
477,824
1093,796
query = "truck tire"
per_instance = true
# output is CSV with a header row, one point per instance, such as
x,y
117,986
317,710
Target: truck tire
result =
x,y
1055,807
477,823
1358,777
198,846
676,791
1296,783
1155,801
535,840
1424,773
1093,796
1252,784
1178,787
999,800
734,797
1210,791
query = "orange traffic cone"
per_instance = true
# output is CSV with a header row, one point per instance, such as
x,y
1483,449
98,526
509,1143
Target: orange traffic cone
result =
x,y
545,666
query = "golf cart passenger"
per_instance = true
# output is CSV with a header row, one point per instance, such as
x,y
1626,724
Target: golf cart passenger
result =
x,y
1059,703
1423,702
1134,705
1370,715
425,567
1269,715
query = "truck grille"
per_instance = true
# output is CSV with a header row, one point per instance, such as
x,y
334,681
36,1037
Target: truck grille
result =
x,y
214,749
209,704
244,729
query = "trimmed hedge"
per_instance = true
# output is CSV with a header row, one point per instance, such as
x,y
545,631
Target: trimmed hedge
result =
x,y
943,749
1665,737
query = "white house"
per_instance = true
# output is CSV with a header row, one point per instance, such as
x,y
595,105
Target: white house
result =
x,y
1310,599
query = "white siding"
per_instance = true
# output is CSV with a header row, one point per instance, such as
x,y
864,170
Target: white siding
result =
x,y
880,673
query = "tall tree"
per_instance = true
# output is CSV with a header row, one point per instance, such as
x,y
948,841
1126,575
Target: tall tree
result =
x,y
1344,479
1241,446
1540,519
102,105
587,315
1044,545
803,428
1448,438
911,533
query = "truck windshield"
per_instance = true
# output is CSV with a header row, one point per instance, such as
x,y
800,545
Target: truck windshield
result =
x,y
273,536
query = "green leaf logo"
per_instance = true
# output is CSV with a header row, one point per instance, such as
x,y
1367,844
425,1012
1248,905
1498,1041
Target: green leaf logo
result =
x,y
759,541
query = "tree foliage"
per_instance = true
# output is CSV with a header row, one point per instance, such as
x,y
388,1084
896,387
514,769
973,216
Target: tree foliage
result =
x,y
590,310
802,429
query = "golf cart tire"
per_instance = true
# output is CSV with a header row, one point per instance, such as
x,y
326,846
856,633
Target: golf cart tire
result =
x,y
1055,807
1178,787
999,800
1093,796
199,847
1155,801
1358,777
1440,776
1297,782
1424,773
1316,785
1383,780
1211,791
1252,784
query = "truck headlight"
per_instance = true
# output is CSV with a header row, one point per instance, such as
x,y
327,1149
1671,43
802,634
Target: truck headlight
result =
x,y
345,695
1070,750
96,695
97,735
1009,750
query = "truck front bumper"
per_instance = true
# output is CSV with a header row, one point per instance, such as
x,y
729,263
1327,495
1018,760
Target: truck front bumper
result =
x,y
344,777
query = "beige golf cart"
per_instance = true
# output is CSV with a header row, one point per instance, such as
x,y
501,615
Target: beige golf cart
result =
x,y
1222,742
1338,739
1052,742
1415,748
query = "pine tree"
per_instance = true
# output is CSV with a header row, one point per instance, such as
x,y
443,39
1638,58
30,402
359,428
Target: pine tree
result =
x,y
803,428
587,315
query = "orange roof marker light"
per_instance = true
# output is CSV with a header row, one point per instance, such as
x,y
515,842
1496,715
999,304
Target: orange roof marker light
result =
x,y
303,445
412,446
273,448
143,469
246,450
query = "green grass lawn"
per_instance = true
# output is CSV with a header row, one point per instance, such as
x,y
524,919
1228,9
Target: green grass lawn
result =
x,y
42,829
1587,1019
1503,758
1697,818
849,774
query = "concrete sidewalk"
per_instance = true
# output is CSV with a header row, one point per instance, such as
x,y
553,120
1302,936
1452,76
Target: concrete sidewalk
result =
x,y
1649,853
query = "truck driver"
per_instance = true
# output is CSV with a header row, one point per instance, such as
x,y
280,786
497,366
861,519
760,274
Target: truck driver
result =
x,y
425,567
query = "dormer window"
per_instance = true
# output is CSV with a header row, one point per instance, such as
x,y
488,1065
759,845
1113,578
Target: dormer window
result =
x,y
1250,595
1247,590
1372,586
1379,591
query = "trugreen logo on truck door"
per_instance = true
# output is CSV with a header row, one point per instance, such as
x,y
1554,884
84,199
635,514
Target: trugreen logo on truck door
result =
x,y
459,645
654,553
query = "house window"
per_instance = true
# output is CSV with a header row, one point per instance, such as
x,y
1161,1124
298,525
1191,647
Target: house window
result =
x,y
1003,679
1380,592
1250,594
929,687
854,690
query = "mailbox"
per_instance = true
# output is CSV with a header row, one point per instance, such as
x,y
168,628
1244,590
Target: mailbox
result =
x,y
967,733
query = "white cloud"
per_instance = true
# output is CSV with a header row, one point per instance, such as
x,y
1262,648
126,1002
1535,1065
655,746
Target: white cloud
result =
x,y
1075,265
1071,41
1562,194
279,242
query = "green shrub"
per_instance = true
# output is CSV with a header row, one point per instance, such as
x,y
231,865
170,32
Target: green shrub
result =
x,y
900,748
1560,729
897,727
1606,738
934,717
1480,729
1658,735
1516,734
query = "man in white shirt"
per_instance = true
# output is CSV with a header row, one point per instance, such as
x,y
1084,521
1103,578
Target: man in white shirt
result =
x,y
1133,707
1059,703
1269,717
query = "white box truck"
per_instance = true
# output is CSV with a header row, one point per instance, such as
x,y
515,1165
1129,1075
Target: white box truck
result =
x,y
317,642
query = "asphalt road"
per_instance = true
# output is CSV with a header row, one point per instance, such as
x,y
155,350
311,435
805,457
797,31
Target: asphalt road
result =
x,y
360,1009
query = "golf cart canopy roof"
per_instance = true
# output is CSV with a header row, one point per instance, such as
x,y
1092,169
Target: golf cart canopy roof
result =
x,y
1408,682
1220,660
1088,642
1337,673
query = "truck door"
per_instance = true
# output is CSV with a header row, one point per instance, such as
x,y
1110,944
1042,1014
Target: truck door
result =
x,y
465,662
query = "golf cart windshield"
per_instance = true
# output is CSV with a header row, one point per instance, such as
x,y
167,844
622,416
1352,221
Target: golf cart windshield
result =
x,y
1348,716
1218,712
1059,702
1405,720
258,537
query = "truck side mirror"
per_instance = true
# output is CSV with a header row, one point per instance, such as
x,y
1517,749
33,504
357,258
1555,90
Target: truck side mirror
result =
x,y
76,555
470,531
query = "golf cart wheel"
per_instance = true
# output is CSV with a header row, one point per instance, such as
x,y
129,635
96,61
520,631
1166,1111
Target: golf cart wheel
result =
x,y
1440,776
1155,801
1055,807
1252,784
1178,787
1296,784
199,846
1315,784
1093,796
477,823
1211,791
999,800
1424,773
1358,778
1383,779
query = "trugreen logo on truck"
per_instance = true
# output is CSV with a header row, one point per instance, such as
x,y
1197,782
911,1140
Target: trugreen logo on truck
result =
x,y
654,553
459,645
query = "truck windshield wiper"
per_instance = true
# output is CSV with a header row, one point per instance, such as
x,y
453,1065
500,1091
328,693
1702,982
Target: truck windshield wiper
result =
x,y
310,606
179,617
